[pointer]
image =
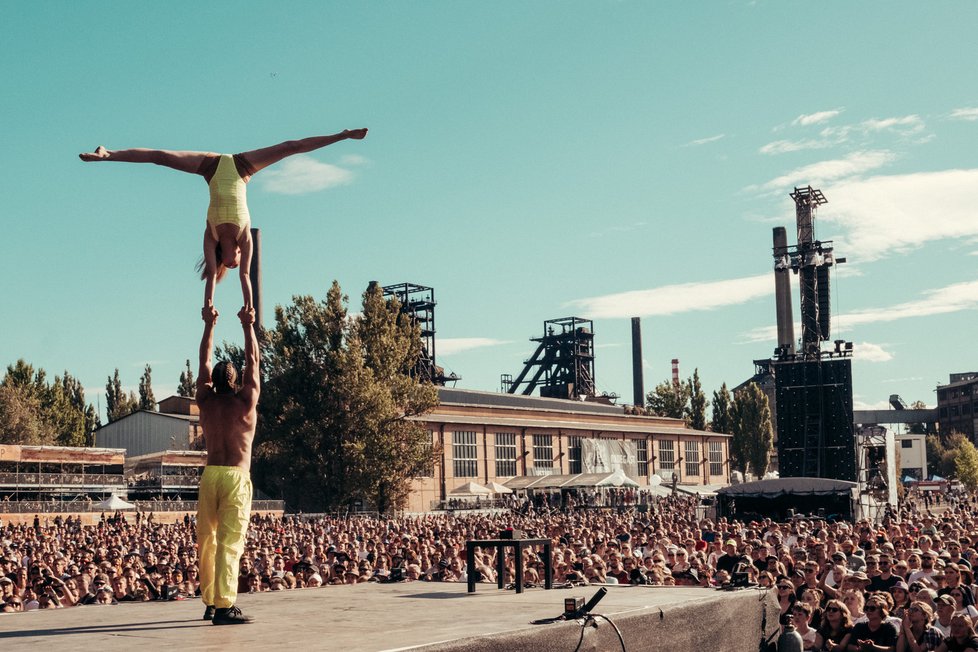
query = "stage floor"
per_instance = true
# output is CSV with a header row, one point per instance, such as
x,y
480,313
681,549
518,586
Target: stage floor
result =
x,y
388,617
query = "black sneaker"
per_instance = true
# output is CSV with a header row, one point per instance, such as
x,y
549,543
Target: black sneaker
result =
x,y
230,616
209,612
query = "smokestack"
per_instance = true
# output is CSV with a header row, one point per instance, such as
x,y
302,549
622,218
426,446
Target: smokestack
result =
x,y
675,371
255,273
782,292
638,381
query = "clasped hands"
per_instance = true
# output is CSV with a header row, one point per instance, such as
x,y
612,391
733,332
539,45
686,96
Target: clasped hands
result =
x,y
209,314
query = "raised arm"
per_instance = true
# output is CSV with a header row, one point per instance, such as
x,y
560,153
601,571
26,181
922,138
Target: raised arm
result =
x,y
251,382
209,315
182,161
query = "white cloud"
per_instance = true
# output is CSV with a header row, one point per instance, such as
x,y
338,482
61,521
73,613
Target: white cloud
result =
x,y
675,299
354,159
823,172
870,352
906,124
704,141
969,114
785,146
907,379
886,215
302,174
451,345
859,404
815,118
952,298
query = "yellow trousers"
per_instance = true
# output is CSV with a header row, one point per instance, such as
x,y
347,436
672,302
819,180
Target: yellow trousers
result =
x,y
223,510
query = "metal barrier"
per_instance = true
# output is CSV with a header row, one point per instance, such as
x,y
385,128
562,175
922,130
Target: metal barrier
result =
x,y
48,507
47,480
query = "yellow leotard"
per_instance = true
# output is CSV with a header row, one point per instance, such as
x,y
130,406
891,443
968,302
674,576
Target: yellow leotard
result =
x,y
229,197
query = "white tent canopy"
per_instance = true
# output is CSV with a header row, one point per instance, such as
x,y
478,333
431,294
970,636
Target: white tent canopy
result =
x,y
113,504
470,489
497,488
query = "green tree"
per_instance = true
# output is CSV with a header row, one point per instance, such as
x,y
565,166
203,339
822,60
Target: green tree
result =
x,y
336,412
941,452
63,407
20,417
118,403
720,421
696,410
146,399
753,436
918,428
40,413
669,400
966,464
186,386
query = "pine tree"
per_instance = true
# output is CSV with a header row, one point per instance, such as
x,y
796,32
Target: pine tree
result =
x,y
146,399
696,410
753,436
36,412
186,386
117,402
721,410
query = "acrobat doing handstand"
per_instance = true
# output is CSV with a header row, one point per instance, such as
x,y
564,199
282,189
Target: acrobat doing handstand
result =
x,y
227,235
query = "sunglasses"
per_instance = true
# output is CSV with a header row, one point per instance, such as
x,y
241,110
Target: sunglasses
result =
x,y
871,607
833,610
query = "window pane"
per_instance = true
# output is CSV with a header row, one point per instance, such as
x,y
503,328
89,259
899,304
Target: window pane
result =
x,y
667,455
505,454
465,454
543,451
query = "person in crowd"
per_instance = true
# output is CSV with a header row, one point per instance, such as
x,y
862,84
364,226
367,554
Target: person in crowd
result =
x,y
962,637
801,616
836,628
876,633
916,632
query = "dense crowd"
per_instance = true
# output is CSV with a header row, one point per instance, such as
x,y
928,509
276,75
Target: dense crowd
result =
x,y
904,584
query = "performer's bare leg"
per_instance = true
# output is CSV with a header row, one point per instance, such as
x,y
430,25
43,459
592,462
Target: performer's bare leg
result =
x,y
178,160
262,158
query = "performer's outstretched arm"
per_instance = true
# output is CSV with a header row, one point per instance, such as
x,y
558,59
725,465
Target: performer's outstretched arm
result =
x,y
182,161
262,158
251,375
209,314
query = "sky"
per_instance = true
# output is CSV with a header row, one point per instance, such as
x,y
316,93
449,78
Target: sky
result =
x,y
604,159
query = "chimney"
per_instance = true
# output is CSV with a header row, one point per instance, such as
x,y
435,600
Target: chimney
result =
x,y
782,293
675,371
638,381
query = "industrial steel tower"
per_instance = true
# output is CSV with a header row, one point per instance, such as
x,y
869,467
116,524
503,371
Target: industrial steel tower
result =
x,y
418,302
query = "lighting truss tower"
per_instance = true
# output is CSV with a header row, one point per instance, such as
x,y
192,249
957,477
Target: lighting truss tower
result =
x,y
418,302
563,364
811,260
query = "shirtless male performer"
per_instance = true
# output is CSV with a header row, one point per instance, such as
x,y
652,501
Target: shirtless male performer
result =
x,y
228,414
